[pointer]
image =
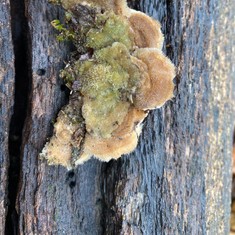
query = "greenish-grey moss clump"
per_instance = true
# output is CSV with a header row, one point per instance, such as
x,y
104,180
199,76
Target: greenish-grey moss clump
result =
x,y
109,76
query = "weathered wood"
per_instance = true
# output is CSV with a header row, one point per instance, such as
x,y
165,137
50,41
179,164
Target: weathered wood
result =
x,y
44,207
178,180
6,103
220,118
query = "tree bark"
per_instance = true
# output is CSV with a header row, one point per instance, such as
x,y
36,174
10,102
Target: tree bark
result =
x,y
6,103
179,178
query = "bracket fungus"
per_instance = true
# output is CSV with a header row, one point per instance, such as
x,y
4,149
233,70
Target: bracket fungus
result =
x,y
116,75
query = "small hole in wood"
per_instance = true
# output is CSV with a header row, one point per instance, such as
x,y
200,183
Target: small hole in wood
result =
x,y
71,174
41,72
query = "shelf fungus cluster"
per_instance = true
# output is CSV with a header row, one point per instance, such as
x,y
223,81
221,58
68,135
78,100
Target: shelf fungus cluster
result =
x,y
116,75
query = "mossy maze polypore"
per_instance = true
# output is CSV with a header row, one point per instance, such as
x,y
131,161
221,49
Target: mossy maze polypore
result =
x,y
119,77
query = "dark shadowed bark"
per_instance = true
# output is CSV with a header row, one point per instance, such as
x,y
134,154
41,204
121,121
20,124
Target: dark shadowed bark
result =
x,y
179,178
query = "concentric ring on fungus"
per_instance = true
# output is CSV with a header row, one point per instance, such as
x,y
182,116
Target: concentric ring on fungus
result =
x,y
122,75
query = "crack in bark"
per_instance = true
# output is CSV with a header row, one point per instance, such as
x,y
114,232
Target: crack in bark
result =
x,y
23,78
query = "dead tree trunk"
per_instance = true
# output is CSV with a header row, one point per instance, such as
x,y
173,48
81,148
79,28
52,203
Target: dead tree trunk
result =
x,y
179,178
6,104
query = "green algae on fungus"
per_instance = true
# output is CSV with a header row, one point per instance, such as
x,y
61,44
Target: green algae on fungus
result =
x,y
108,80
110,70
109,28
109,77
116,74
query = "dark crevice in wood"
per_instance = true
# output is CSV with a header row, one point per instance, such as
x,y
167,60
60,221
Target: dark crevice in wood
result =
x,y
134,4
23,79
111,218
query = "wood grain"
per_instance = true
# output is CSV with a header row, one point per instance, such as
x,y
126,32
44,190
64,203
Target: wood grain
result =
x,y
179,178
6,103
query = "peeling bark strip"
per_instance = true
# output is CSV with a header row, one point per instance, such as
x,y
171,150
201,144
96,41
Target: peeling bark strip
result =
x,y
177,181
6,103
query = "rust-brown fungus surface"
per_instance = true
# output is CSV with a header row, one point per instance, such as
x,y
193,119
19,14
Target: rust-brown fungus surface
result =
x,y
117,73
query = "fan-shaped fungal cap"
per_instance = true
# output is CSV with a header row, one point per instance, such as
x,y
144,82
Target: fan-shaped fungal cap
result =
x,y
58,150
133,118
125,74
147,31
158,86
124,140
111,148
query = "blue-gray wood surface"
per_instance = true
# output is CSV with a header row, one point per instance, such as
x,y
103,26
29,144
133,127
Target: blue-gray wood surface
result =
x,y
179,178
6,103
